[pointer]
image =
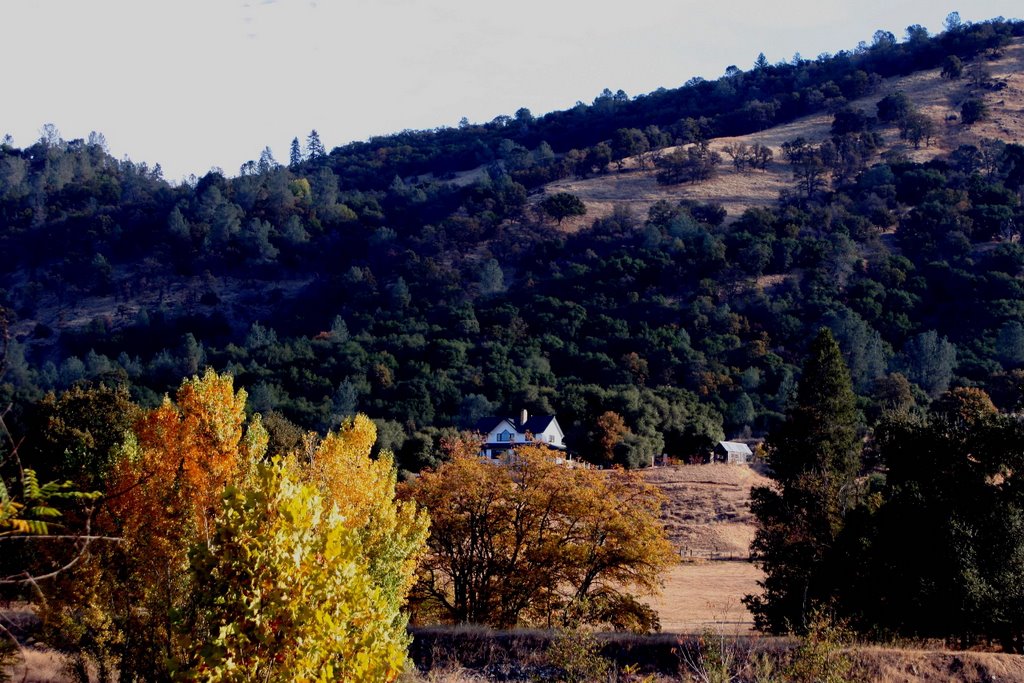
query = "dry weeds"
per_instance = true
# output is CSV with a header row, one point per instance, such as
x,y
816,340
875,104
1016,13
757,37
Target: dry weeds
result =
x,y
707,508
40,665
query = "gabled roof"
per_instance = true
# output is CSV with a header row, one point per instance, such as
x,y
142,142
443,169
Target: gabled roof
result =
x,y
735,447
537,424
487,424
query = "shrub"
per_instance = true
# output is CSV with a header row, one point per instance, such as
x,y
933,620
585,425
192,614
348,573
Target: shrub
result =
x,y
973,110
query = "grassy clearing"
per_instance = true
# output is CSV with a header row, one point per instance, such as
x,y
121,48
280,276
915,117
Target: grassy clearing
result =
x,y
707,515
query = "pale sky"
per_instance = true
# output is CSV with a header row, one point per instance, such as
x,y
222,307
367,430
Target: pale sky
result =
x,y
193,84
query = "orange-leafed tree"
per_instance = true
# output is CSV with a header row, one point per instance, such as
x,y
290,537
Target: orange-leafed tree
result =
x,y
163,496
534,541
610,430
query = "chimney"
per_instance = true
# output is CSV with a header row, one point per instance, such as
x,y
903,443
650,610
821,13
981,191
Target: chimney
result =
x,y
523,416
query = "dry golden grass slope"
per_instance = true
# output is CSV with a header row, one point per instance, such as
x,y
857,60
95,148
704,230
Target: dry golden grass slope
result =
x,y
707,515
936,97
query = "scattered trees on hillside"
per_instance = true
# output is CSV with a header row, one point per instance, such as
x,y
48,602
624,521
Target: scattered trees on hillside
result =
x,y
809,164
688,165
748,156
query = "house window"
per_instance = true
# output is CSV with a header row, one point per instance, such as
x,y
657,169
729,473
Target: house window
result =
x,y
505,436
551,438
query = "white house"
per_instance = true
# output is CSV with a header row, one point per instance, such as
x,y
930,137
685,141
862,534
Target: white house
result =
x,y
501,434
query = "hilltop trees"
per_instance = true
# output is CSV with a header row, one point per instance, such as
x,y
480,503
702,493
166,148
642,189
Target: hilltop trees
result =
x,y
814,456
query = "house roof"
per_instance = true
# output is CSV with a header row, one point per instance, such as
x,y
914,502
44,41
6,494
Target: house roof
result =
x,y
536,424
735,447
485,424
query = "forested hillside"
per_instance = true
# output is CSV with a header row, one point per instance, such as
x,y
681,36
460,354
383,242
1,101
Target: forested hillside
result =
x,y
425,278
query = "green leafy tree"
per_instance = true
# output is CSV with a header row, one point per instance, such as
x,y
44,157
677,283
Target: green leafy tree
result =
x,y
952,67
690,165
814,456
809,164
78,434
948,545
563,205
973,110
894,108
628,142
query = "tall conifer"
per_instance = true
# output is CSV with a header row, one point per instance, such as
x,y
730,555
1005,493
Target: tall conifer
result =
x,y
815,457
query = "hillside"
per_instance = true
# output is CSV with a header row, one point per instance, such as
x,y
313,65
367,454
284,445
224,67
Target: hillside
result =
x,y
937,97
857,300
412,277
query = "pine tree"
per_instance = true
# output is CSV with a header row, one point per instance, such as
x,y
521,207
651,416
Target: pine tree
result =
x,y
315,148
815,457
267,161
295,156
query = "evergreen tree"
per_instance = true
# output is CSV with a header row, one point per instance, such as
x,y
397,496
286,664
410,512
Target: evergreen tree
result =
x,y
315,148
295,156
815,456
267,162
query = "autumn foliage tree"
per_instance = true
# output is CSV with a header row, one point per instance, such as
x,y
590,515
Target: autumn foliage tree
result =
x,y
391,532
230,567
163,495
533,541
293,586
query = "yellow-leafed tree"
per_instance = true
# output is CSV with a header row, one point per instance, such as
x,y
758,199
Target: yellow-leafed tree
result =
x,y
308,568
286,590
392,532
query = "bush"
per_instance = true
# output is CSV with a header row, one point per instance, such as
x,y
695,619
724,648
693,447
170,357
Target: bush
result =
x,y
973,110
578,655
822,656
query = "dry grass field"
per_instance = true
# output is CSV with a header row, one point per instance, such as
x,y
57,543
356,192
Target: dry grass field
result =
x,y
707,515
